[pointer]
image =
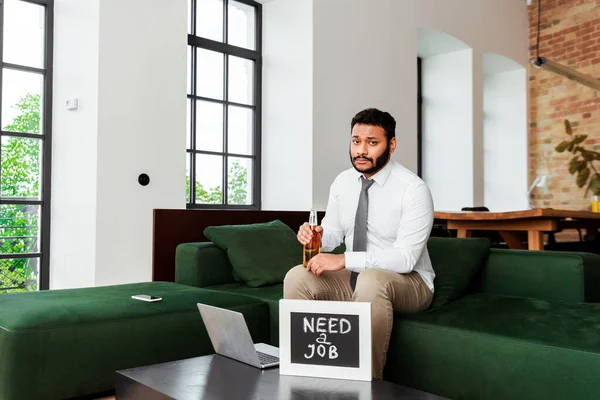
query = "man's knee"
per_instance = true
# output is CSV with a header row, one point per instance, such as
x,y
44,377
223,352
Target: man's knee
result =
x,y
294,282
371,284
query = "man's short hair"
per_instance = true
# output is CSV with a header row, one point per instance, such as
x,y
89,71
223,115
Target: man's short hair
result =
x,y
375,117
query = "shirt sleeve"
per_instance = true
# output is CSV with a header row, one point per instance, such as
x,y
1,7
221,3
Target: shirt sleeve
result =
x,y
414,230
333,233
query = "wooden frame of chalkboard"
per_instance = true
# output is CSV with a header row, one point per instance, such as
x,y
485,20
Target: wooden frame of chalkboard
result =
x,y
326,339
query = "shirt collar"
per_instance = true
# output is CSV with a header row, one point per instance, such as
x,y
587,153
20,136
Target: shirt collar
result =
x,y
382,175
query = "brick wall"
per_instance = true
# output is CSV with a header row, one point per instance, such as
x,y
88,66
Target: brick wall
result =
x,y
570,35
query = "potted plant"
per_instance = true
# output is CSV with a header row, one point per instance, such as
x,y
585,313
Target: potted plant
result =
x,y
582,162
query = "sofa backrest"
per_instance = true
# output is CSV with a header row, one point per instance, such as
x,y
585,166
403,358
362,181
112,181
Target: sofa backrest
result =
x,y
546,275
173,227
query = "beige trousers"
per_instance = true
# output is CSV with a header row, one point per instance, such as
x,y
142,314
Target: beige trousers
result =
x,y
387,292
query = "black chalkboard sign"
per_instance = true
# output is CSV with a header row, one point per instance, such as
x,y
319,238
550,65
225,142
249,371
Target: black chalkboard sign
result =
x,y
325,339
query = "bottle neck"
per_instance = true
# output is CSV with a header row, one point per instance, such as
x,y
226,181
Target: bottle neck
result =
x,y
312,221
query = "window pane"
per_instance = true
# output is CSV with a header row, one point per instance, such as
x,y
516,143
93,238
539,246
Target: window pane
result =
x,y
209,179
19,274
188,125
20,160
21,101
24,33
209,126
241,29
239,130
19,229
241,74
239,181
188,186
209,74
209,19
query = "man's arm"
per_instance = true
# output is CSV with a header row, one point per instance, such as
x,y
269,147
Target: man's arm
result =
x,y
414,230
333,233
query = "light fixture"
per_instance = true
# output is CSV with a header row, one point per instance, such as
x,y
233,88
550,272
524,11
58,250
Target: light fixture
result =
x,y
549,65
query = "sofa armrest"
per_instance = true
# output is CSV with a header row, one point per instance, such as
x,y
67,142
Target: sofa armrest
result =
x,y
547,275
201,265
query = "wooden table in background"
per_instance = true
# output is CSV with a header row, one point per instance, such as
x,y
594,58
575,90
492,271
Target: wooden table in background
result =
x,y
512,224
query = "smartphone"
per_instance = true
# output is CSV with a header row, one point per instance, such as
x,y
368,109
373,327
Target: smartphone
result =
x,y
145,297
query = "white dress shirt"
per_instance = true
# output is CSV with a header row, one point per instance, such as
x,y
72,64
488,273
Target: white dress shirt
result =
x,y
399,222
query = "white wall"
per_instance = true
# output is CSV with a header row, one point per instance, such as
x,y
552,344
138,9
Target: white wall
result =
x,y
448,129
358,64
287,135
141,128
487,26
505,140
138,86
74,144
323,62
364,55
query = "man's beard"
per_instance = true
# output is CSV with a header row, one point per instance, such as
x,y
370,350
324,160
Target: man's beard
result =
x,y
377,165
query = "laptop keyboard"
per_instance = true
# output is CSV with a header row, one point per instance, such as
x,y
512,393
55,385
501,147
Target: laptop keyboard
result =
x,y
267,358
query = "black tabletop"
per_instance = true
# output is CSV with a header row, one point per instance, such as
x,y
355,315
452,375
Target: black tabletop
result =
x,y
217,377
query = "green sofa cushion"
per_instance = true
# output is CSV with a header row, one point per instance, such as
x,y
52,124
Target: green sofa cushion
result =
x,y
67,343
260,254
455,262
498,347
269,294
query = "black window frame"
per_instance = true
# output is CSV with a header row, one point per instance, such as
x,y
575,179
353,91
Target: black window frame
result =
x,y
45,137
227,50
419,117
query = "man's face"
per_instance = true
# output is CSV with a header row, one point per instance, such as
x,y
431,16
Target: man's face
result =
x,y
369,149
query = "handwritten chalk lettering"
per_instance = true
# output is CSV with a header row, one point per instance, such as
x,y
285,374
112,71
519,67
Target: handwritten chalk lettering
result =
x,y
324,339
322,351
333,353
312,348
309,325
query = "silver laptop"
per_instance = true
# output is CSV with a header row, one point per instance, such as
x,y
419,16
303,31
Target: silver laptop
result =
x,y
230,337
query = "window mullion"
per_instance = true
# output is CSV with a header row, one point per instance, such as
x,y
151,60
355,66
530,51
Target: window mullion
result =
x,y
225,123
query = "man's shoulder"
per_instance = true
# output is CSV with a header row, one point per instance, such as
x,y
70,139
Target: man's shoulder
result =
x,y
405,175
345,176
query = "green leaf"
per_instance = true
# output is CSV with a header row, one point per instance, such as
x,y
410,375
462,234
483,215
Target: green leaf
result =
x,y
568,128
582,177
573,164
595,184
562,146
579,139
581,165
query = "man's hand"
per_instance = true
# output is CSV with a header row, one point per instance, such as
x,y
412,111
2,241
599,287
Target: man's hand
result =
x,y
305,234
326,262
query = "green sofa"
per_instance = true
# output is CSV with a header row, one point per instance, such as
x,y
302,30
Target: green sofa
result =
x,y
60,344
527,326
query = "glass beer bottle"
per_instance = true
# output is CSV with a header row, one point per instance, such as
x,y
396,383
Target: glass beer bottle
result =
x,y
312,248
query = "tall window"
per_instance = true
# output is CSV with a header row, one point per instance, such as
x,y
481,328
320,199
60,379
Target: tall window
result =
x,y
25,122
224,104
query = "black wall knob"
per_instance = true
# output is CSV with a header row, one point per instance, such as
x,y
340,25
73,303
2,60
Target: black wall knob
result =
x,y
144,179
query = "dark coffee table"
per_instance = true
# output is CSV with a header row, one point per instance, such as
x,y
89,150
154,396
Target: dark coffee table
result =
x,y
218,377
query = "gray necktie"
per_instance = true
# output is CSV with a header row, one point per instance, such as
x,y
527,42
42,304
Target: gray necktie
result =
x,y
360,224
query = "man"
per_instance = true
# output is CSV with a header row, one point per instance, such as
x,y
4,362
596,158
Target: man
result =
x,y
384,214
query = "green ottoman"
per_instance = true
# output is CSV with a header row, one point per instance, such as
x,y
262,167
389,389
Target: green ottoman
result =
x,y
64,343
